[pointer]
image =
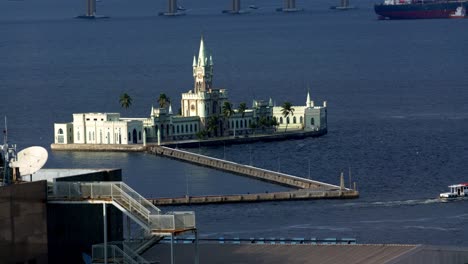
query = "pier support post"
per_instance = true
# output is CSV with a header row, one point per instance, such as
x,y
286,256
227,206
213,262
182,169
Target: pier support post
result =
x,y
172,248
197,256
104,217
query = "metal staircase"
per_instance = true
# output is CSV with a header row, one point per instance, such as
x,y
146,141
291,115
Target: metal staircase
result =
x,y
154,223
128,201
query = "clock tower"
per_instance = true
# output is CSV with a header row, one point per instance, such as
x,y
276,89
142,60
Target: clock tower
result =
x,y
202,70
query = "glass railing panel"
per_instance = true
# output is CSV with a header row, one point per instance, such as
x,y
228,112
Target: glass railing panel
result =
x,y
162,222
184,220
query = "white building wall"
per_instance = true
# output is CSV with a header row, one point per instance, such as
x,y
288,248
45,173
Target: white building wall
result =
x,y
298,115
63,133
104,128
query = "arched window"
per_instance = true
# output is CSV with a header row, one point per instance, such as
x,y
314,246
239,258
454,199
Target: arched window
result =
x,y
129,136
281,120
191,128
294,120
139,135
186,128
245,123
300,119
177,129
60,131
182,128
287,120
312,121
237,124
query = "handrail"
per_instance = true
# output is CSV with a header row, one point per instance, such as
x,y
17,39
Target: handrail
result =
x,y
137,206
147,204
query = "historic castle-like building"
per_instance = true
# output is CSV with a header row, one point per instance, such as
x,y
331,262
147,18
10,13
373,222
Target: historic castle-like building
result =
x,y
202,114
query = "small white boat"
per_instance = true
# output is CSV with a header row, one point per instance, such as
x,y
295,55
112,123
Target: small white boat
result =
x,y
457,190
460,12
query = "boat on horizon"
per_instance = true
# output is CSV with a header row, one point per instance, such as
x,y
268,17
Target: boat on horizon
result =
x,y
456,191
420,9
460,12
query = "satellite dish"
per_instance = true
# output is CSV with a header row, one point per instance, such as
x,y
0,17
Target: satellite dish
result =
x,y
30,160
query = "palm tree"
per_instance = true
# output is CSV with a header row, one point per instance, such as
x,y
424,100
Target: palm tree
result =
x,y
242,108
212,124
227,112
163,100
287,109
125,100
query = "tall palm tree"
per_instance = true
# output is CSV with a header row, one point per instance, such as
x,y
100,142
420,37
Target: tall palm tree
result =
x,y
163,100
242,108
227,113
125,100
212,124
287,110
227,110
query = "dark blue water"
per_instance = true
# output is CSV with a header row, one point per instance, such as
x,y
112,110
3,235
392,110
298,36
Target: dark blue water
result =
x,y
396,90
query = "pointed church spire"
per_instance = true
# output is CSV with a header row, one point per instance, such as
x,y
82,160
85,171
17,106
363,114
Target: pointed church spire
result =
x,y
152,110
270,103
194,64
201,54
308,104
211,60
170,109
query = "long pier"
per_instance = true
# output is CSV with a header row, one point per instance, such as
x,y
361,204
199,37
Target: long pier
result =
x,y
308,189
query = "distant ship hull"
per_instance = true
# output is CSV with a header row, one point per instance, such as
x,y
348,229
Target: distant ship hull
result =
x,y
418,10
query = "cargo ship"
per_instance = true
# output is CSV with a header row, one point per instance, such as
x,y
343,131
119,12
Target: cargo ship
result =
x,y
417,9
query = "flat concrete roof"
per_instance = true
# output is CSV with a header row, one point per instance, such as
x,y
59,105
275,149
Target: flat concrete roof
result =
x,y
211,253
51,174
278,253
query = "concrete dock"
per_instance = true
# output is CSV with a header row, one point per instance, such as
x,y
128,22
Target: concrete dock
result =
x,y
308,189
256,197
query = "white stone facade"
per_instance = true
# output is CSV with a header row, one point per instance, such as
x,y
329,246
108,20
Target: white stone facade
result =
x,y
198,106
99,128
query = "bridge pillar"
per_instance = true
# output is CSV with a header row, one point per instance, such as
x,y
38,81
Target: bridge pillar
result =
x,y
172,9
236,5
289,6
91,10
172,6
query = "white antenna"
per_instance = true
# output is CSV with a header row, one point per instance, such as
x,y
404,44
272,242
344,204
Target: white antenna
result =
x,y
350,178
5,132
